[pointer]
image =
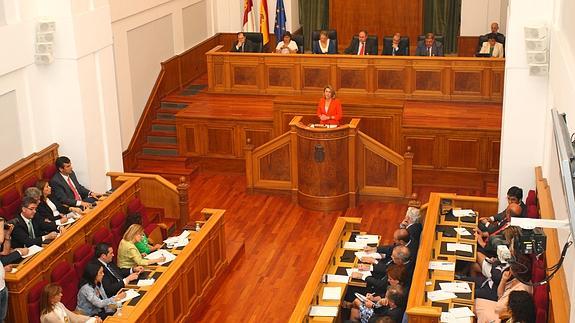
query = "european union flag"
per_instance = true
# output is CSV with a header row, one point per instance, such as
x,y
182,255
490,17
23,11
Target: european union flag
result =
x,y
280,25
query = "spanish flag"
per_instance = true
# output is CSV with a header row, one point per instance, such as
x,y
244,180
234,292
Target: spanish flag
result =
x,y
264,21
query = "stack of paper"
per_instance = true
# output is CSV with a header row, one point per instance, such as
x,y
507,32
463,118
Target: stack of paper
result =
x,y
146,282
330,311
32,250
178,241
130,293
455,287
336,278
158,253
462,231
442,265
367,238
457,315
354,245
462,213
459,247
354,270
361,254
440,295
331,293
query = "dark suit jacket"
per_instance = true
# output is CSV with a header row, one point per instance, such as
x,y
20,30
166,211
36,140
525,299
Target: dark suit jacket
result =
x,y
415,231
62,192
10,258
249,47
316,49
354,48
387,50
45,211
112,284
436,49
20,236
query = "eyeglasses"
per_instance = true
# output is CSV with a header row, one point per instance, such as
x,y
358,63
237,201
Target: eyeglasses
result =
x,y
31,209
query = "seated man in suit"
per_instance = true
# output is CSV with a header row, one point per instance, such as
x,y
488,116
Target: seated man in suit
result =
x,y
492,47
360,45
488,227
514,195
498,36
395,48
401,237
429,46
115,278
66,188
411,224
30,230
243,44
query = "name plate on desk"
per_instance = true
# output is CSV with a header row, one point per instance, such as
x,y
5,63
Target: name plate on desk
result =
x,y
319,125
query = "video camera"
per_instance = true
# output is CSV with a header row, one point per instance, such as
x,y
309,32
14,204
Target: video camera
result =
x,y
531,242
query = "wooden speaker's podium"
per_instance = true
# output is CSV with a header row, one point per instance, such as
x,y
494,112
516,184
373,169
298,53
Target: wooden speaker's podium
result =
x,y
325,165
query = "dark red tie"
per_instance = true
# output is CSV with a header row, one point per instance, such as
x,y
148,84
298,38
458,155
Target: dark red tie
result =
x,y
362,49
76,195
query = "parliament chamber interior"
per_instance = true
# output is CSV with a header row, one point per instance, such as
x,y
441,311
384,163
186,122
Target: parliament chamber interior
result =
x,y
287,161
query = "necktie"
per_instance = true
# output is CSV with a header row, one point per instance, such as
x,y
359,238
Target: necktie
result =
x,y
76,195
362,49
429,50
31,230
112,272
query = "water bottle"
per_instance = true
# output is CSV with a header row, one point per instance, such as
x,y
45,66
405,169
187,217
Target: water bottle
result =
x,y
119,308
197,227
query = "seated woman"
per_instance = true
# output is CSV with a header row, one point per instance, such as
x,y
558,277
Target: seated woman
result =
x,y
521,307
492,47
50,209
92,298
144,245
7,254
324,45
375,304
128,254
287,46
53,311
329,108
511,280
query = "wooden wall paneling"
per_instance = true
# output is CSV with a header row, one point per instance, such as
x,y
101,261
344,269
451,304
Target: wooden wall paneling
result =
x,y
257,134
496,86
314,76
493,148
428,79
462,153
467,83
467,46
352,78
425,149
276,165
380,172
221,140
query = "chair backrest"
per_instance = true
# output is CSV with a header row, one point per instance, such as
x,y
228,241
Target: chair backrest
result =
x,y
136,206
82,255
49,172
34,295
299,40
403,42
64,275
11,203
117,222
29,182
371,39
531,198
257,39
438,38
480,41
331,34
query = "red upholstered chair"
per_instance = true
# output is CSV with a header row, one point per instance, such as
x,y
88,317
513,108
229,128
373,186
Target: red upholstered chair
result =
x,y
34,295
541,300
532,212
105,235
64,275
11,203
82,255
29,182
117,225
49,172
531,198
136,206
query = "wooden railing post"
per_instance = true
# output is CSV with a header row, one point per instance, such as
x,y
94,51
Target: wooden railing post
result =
x,y
183,201
248,153
408,157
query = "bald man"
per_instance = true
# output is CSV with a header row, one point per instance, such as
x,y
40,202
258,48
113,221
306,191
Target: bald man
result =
x,y
499,37
401,237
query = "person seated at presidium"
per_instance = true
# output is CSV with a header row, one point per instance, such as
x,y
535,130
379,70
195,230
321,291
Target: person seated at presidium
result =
x,y
30,229
429,46
92,298
492,47
396,48
53,311
66,188
243,44
287,45
329,108
360,45
324,45
498,36
128,254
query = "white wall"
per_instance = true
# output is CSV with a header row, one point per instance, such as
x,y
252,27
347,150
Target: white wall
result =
x,y
71,101
477,16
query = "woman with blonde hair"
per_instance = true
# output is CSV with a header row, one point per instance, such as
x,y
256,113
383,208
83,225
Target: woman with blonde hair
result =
x,y
53,311
329,108
128,254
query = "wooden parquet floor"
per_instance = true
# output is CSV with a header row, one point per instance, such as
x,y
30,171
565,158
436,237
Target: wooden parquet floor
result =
x,y
282,242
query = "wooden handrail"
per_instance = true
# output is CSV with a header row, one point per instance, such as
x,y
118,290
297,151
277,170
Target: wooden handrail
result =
x,y
560,302
302,306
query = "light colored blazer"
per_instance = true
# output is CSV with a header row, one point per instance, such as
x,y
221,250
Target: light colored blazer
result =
x,y
129,256
497,49
53,317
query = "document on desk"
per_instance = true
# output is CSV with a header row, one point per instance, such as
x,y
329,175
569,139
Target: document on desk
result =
x,y
455,287
70,221
367,238
462,231
329,311
331,293
354,245
146,282
336,278
178,241
158,253
355,270
462,213
32,250
361,254
130,293
459,312
440,295
442,265
459,247
447,317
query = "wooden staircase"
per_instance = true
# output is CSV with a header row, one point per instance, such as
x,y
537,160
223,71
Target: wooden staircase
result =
x,y
159,153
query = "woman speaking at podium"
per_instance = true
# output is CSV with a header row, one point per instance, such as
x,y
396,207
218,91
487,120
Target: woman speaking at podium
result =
x,y
329,108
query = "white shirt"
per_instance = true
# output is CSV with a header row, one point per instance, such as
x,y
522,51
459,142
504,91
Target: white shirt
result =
x,y
292,46
52,207
324,49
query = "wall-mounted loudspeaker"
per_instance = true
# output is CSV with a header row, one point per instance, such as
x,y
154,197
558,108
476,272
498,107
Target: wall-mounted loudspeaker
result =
x,y
44,53
535,32
46,26
538,69
536,46
537,57
43,59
